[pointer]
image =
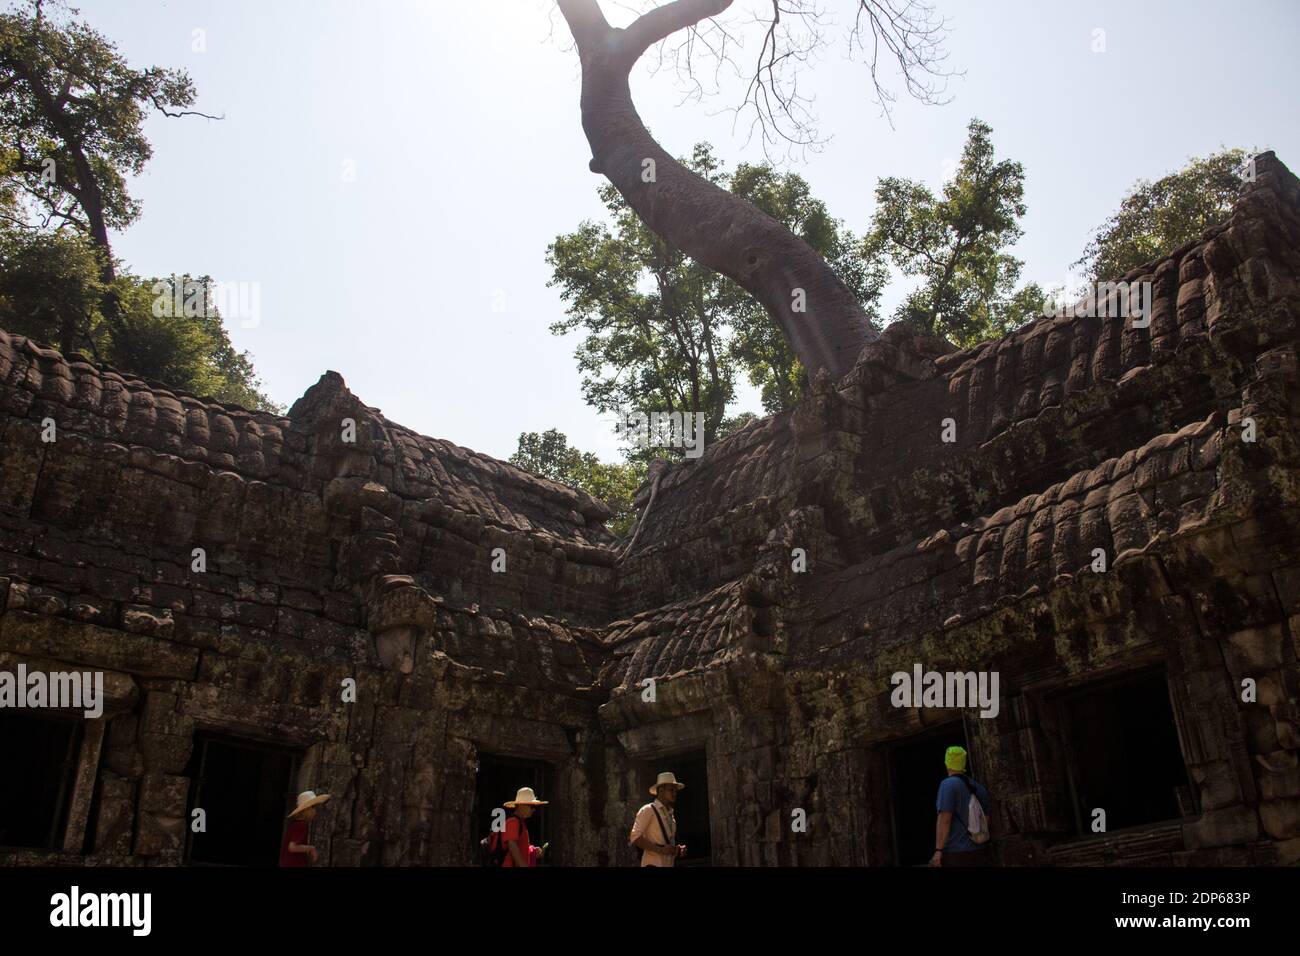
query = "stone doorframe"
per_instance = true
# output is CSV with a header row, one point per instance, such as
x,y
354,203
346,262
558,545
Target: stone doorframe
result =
x,y
675,736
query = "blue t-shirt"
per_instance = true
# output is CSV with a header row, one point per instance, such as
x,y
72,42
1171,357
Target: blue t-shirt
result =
x,y
954,797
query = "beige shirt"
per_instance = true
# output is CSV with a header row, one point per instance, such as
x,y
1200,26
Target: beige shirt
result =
x,y
647,826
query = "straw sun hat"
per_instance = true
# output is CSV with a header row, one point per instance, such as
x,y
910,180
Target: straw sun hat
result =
x,y
527,798
308,799
666,779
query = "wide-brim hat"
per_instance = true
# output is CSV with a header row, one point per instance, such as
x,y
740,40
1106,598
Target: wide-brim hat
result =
x,y
308,799
666,779
525,797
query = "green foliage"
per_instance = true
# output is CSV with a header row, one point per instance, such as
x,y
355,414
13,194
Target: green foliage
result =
x,y
735,423
550,455
71,98
193,353
654,322
663,333
72,114
1011,312
50,289
50,286
1157,217
956,244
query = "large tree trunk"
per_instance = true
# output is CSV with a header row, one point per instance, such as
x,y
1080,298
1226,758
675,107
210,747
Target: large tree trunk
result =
x,y
87,194
712,226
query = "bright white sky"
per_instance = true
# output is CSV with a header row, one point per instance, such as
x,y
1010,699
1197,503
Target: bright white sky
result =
x,y
461,122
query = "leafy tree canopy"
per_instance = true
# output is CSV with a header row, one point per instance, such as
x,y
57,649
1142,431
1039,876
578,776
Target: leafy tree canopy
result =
x,y
956,244
664,333
51,279
72,114
1157,217
550,455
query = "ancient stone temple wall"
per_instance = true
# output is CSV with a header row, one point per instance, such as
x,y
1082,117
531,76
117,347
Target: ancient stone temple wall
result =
x,y
1072,438
230,571
327,600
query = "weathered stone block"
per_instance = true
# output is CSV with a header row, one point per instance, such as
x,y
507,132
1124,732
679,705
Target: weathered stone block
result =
x,y
160,835
92,610
1281,818
116,815
1222,828
1288,852
164,794
1217,785
155,622
1256,649
90,645
164,753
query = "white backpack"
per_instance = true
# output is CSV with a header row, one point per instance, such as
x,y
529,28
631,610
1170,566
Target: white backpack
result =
x,y
977,824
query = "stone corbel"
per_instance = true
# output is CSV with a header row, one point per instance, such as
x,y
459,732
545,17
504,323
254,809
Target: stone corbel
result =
x,y
400,614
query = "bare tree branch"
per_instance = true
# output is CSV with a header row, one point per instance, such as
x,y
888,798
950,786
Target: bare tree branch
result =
x,y
913,37
161,108
901,42
662,22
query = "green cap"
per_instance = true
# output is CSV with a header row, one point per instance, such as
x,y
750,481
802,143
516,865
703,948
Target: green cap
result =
x,y
955,759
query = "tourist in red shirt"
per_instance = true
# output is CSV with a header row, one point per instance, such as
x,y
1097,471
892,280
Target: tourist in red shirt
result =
x,y
519,848
296,849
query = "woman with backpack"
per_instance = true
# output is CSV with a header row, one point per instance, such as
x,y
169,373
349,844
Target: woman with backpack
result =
x,y
513,846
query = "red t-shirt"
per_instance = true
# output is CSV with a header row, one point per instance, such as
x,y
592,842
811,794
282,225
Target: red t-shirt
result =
x,y
516,831
298,832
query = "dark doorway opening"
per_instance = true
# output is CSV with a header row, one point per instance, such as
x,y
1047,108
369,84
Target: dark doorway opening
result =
x,y
916,769
692,810
246,791
1122,754
497,780
39,757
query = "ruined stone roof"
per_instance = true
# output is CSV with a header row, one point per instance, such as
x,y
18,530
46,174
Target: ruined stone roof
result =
x,y
418,467
100,402
683,636
1173,485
